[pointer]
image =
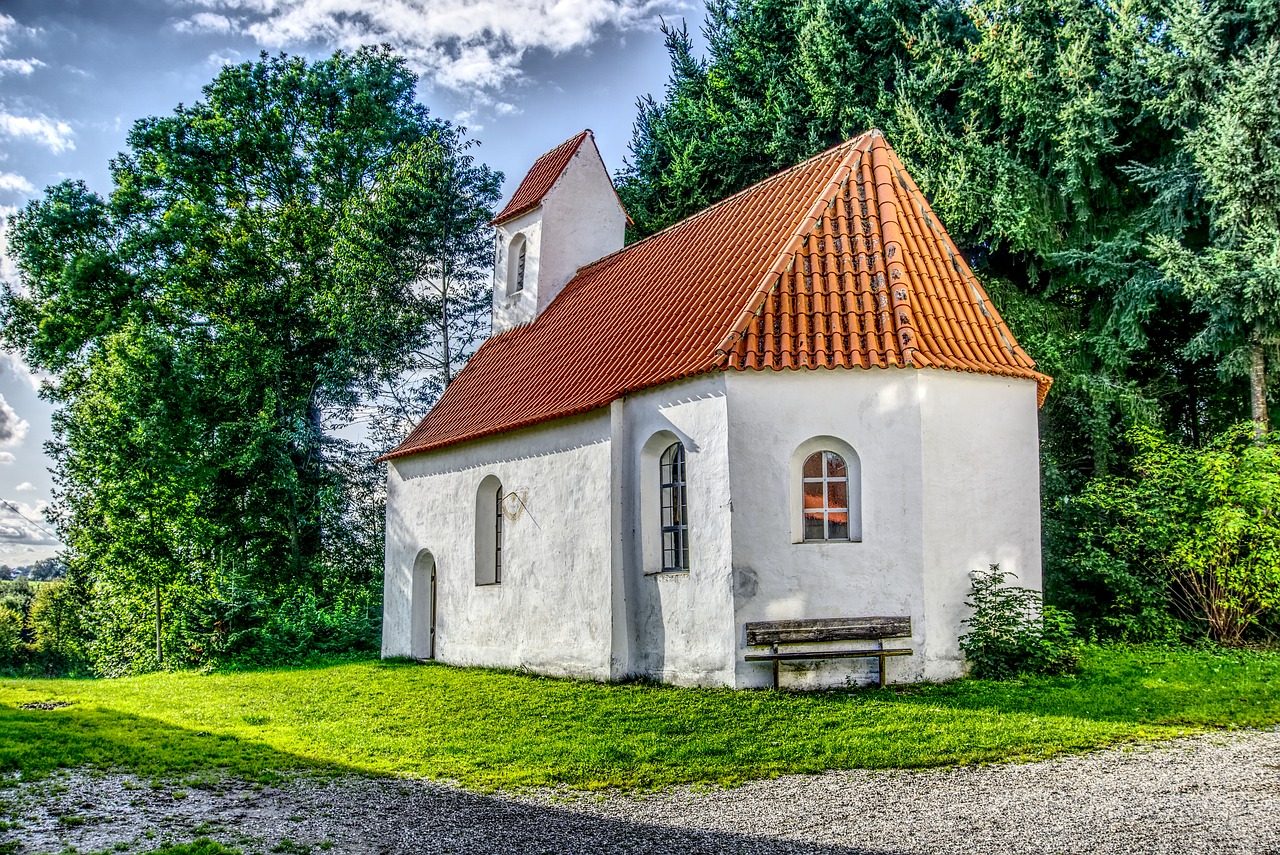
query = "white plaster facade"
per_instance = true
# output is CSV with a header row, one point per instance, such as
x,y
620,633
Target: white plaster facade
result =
x,y
947,487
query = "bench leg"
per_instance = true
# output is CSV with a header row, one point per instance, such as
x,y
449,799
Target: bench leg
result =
x,y
775,674
881,658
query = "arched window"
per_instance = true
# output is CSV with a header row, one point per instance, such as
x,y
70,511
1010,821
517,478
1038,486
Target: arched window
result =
x,y
489,532
675,510
825,479
516,264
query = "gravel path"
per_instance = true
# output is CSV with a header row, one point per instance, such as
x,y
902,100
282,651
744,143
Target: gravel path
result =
x,y
1206,794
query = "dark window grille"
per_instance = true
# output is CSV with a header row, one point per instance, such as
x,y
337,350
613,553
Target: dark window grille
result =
x,y
497,542
675,511
519,286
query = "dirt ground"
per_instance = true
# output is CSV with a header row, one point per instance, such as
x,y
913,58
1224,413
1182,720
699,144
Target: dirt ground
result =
x,y
1206,794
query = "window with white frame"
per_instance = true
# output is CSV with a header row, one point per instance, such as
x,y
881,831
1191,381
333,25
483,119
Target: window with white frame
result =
x,y
825,482
675,510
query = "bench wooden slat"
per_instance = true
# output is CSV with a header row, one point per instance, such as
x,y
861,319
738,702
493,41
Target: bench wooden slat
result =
x,y
826,654
827,629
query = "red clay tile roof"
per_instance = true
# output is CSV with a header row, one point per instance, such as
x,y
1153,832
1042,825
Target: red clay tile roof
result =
x,y
540,179
836,262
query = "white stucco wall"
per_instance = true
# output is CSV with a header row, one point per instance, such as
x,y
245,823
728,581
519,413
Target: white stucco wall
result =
x,y
513,309
583,221
980,436
770,415
949,484
679,626
552,611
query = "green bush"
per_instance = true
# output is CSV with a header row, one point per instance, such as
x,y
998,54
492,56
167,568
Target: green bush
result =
x,y
230,628
56,622
1013,632
12,647
1110,597
1192,532
302,629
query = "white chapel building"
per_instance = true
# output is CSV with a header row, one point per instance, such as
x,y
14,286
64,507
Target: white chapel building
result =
x,y
798,403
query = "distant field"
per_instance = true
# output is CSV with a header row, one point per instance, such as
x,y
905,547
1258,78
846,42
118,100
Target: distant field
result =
x,y
490,729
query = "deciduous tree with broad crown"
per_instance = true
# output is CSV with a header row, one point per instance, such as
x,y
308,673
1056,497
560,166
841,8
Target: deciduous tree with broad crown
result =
x,y
257,269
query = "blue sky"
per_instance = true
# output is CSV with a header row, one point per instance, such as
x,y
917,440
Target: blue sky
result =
x,y
522,75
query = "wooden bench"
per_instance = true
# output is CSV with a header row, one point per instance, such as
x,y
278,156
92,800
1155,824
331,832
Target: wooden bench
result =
x,y
787,632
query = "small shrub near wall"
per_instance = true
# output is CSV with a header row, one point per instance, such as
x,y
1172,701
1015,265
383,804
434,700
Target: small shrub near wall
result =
x,y
1013,632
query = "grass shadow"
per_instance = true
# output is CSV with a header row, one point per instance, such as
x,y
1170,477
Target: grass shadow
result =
x,y
35,743
494,729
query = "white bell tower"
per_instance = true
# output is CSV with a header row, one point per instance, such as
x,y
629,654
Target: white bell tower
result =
x,y
565,214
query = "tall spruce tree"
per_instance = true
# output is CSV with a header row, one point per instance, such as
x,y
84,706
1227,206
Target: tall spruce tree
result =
x,y
1235,281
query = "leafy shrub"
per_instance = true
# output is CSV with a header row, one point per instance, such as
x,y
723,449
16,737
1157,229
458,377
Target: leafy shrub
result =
x,y
303,628
12,648
1110,597
40,631
1013,632
1198,526
234,627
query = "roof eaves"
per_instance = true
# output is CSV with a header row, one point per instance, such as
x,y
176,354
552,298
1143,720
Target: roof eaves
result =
x,y
508,216
406,450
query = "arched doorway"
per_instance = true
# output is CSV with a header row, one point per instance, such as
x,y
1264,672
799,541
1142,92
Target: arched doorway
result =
x,y
422,604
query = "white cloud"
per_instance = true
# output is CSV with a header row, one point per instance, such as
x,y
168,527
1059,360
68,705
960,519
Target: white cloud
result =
x,y
459,44
219,59
15,66
13,430
25,525
19,66
13,182
51,133
205,22
6,457
12,364
25,487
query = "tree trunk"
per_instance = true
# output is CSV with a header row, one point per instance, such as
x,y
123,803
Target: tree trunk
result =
x,y
446,252
159,648
1258,385
311,481
446,357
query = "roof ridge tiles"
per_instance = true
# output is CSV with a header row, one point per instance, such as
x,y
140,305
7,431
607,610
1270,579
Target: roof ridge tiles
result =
x,y
714,206
786,257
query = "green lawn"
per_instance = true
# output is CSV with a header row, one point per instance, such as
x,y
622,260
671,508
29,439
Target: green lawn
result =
x,y
501,729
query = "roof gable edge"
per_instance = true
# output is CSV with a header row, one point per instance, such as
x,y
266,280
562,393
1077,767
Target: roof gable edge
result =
x,y
564,153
